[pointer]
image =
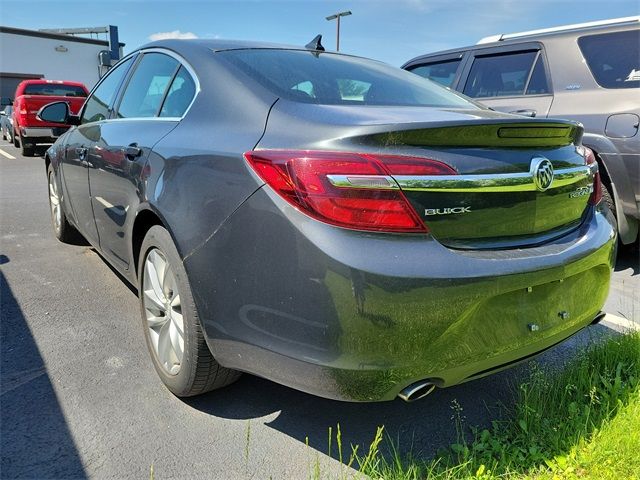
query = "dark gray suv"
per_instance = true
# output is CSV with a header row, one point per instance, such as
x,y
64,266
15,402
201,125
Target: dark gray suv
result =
x,y
588,72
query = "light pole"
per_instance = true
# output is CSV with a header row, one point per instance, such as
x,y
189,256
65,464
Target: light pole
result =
x,y
337,17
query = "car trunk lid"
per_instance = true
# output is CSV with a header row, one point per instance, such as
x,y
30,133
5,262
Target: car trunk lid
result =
x,y
518,181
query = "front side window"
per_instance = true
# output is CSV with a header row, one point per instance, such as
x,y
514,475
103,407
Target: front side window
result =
x,y
500,75
334,79
146,89
98,104
613,58
179,96
441,72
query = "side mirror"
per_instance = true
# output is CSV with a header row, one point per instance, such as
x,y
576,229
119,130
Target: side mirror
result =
x,y
57,112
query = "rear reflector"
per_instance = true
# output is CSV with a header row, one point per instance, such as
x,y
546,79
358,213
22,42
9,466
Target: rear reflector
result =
x,y
350,190
590,159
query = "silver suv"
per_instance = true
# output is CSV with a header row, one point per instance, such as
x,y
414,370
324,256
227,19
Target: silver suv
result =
x,y
588,72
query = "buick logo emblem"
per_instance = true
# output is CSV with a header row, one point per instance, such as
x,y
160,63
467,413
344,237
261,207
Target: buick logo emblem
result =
x,y
542,173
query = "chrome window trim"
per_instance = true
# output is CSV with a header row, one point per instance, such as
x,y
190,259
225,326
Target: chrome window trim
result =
x,y
143,119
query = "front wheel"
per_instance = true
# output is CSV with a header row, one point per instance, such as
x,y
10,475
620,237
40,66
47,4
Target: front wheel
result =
x,y
61,226
170,321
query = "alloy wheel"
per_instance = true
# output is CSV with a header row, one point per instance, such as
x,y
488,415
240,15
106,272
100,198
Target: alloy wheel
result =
x,y
163,311
54,202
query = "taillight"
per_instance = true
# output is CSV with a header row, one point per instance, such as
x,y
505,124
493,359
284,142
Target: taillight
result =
x,y
351,190
590,160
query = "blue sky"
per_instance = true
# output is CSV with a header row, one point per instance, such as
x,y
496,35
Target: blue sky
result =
x,y
391,31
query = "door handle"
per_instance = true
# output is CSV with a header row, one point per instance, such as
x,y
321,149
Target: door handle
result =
x,y
132,151
525,112
82,153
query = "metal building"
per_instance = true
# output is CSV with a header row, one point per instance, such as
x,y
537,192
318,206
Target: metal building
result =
x,y
52,55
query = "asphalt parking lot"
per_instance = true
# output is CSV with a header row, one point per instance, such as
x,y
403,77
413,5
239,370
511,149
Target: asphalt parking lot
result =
x,y
79,396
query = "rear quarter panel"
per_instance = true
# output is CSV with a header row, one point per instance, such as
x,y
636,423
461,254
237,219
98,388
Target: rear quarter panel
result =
x,y
196,175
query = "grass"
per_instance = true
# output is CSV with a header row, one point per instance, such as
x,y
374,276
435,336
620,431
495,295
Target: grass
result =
x,y
580,423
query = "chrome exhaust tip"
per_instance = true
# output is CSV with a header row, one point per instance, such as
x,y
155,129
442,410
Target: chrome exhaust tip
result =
x,y
417,390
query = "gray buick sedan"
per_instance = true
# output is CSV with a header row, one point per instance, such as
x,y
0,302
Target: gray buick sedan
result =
x,y
329,222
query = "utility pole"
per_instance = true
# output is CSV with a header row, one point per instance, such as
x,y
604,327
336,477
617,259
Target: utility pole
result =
x,y
337,17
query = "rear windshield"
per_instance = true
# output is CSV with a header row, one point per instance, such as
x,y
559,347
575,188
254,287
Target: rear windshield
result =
x,y
54,89
333,79
613,58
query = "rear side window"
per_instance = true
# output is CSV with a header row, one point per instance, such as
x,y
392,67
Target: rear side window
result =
x,y
179,96
441,72
505,74
613,58
334,79
55,89
538,81
145,91
98,104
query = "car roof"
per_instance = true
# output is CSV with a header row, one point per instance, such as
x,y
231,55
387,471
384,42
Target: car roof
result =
x,y
535,35
217,45
576,27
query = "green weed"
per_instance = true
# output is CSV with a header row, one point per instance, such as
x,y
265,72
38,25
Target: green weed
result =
x,y
582,422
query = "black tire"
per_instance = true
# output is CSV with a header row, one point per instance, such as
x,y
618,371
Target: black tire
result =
x,y
4,135
198,370
62,229
607,199
27,148
15,140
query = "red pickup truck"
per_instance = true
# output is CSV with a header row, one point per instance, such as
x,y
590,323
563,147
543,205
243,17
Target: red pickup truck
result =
x,y
31,95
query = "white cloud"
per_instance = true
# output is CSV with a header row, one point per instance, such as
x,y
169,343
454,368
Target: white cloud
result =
x,y
177,34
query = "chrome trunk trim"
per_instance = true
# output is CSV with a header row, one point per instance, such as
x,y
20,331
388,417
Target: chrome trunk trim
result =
x,y
501,182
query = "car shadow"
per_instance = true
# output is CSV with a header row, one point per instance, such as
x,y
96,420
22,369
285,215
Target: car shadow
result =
x,y
628,258
36,442
421,428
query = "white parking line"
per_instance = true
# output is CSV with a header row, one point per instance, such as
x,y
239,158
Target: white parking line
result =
x,y
621,322
7,155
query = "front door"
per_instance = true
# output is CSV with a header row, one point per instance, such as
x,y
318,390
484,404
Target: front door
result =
x,y
79,153
76,179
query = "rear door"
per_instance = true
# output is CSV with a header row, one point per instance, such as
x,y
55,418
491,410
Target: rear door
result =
x,y
511,79
156,96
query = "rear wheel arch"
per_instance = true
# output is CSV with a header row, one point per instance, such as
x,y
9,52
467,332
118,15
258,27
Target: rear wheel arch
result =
x,y
604,171
145,219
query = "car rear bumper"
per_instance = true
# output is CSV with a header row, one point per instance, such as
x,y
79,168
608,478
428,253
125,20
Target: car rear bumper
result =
x,y
358,316
49,133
